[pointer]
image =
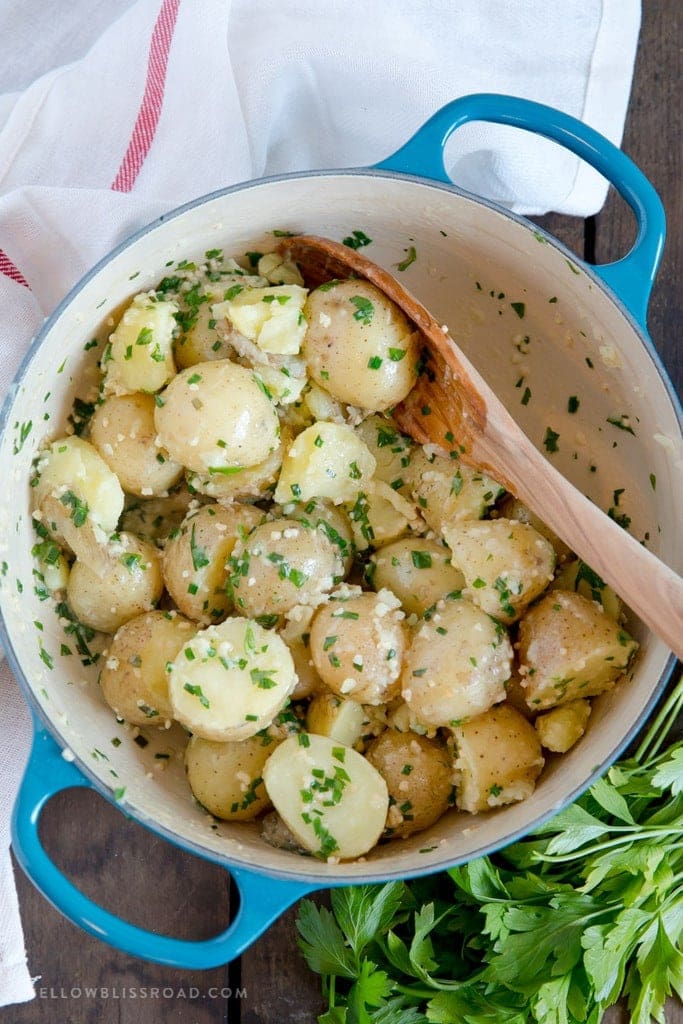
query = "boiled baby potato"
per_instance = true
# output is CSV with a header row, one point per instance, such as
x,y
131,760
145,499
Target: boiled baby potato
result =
x,y
229,681
332,800
506,564
216,419
561,727
457,664
569,648
201,340
391,450
250,483
357,645
332,519
512,508
73,472
359,345
227,778
134,679
379,515
282,563
194,559
344,721
139,354
497,759
326,460
124,433
578,576
417,570
131,584
447,491
271,317
419,776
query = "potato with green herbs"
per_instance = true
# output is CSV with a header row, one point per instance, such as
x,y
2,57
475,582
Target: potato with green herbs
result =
x,y
124,433
227,778
216,419
194,559
326,460
359,345
250,483
446,490
134,679
576,575
230,681
456,665
332,800
497,760
131,583
419,776
506,564
357,645
569,648
380,515
417,570
512,508
282,563
332,519
73,472
391,449
139,353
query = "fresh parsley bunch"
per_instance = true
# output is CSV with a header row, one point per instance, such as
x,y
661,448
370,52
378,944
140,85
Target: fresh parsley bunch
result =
x,y
553,930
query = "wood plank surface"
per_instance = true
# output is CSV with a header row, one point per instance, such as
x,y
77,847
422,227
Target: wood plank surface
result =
x,y
166,890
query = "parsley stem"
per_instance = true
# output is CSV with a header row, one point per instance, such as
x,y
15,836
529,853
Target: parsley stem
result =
x,y
625,840
656,735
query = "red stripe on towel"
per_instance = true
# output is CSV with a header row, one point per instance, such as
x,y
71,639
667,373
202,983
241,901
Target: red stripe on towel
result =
x,y
152,100
9,270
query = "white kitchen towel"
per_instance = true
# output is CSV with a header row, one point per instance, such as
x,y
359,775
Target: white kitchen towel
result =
x,y
113,110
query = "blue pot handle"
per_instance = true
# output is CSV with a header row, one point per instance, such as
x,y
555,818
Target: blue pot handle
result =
x,y
262,898
631,277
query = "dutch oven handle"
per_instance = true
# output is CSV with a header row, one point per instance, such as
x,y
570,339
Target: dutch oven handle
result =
x,y
631,277
262,899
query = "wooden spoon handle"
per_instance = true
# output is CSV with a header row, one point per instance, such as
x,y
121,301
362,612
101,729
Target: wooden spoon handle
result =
x,y
649,587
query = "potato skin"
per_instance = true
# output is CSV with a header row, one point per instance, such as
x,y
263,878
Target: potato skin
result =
x,y
456,666
123,431
569,648
498,759
134,680
357,646
506,564
512,508
226,777
419,776
359,346
418,571
282,563
446,490
194,560
206,433
131,584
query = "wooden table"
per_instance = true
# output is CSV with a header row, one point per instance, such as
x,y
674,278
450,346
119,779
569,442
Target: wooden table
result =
x,y
161,888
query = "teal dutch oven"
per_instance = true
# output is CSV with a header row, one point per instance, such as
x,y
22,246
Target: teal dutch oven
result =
x,y
588,336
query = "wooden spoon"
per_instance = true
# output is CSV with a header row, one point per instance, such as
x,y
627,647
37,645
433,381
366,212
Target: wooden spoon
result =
x,y
452,400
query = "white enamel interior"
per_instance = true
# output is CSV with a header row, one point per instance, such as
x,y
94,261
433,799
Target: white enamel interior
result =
x,y
472,263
